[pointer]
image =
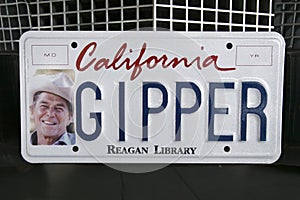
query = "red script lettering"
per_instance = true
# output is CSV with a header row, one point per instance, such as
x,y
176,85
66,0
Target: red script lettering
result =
x,y
136,65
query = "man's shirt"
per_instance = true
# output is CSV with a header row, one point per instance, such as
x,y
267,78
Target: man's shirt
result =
x,y
65,139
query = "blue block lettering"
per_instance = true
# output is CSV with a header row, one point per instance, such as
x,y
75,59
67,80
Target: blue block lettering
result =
x,y
121,112
96,116
146,109
259,110
180,110
212,111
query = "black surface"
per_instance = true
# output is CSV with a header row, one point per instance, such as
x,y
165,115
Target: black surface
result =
x,y
291,112
190,182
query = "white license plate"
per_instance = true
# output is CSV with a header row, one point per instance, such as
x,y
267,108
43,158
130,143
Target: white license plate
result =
x,y
151,97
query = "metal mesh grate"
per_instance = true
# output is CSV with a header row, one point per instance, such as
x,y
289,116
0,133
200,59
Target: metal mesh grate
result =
x,y
17,17
91,15
14,20
217,15
287,21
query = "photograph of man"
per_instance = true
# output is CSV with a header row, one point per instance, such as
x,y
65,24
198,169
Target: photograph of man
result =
x,y
51,109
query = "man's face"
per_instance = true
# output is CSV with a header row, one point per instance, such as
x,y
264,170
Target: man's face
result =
x,y
51,115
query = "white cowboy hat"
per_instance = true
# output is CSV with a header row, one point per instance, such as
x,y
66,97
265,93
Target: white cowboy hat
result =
x,y
59,84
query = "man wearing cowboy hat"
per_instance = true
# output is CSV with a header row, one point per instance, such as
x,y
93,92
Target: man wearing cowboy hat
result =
x,y
51,109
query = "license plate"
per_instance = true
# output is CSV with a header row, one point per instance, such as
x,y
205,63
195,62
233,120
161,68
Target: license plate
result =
x,y
151,97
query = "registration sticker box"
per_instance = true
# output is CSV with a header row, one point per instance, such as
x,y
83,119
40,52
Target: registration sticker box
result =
x,y
153,97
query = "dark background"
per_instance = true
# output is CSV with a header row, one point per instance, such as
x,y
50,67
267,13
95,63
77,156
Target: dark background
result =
x,y
281,180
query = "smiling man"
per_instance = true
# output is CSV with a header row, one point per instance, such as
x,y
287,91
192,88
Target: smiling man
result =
x,y
51,109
